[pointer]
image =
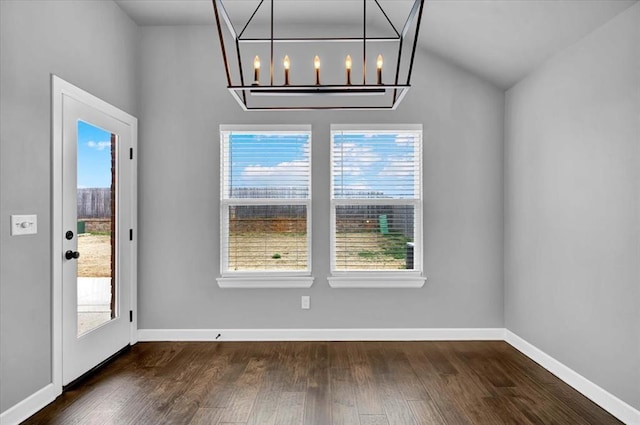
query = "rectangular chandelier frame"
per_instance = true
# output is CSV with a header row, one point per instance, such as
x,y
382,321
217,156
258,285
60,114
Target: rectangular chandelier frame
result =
x,y
243,92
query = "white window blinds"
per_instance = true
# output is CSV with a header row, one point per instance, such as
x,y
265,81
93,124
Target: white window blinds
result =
x,y
376,193
266,165
265,200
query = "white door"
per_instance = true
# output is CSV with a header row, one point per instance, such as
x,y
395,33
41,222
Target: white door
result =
x,y
98,215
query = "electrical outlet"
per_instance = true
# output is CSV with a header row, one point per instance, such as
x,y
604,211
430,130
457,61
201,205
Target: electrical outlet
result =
x,y
306,302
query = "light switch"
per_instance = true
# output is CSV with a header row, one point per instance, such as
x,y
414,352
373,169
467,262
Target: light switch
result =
x,y
24,224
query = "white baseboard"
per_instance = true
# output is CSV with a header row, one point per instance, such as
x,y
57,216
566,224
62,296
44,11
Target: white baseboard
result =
x,y
30,405
618,408
419,334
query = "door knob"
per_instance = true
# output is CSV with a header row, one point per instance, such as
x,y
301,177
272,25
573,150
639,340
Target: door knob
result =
x,y
71,254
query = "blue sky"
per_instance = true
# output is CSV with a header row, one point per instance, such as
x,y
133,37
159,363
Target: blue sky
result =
x,y
381,163
269,160
94,156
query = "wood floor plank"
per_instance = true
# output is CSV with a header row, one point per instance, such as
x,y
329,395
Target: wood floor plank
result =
x,y
107,407
471,373
508,355
296,365
73,405
403,377
506,412
343,400
483,363
309,383
245,392
426,412
470,398
317,405
339,354
368,400
430,377
266,403
568,404
438,359
265,408
290,408
196,371
131,399
207,416
221,391
398,412
472,391
174,406
163,356
535,401
374,420
190,401
584,407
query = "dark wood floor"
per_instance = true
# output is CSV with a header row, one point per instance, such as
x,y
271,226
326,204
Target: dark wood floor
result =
x,y
363,383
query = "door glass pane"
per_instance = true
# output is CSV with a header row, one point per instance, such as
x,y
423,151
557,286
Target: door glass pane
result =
x,y
96,199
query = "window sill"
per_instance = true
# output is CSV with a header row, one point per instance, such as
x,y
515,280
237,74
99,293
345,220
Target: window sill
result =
x,y
391,282
265,282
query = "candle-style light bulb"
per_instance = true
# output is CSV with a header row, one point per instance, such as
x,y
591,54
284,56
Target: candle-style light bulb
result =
x,y
379,65
256,71
286,64
347,64
316,65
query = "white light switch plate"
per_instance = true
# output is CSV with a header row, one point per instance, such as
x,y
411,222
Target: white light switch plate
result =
x,y
305,302
24,224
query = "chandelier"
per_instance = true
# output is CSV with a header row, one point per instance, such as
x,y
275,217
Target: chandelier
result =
x,y
321,54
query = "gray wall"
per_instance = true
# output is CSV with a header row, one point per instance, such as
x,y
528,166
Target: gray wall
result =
x,y
571,199
92,45
573,207
183,100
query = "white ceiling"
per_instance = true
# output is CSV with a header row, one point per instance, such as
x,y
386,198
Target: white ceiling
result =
x,y
500,40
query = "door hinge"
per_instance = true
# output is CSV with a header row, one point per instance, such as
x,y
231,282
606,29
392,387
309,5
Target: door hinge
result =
x,y
130,234
131,316
130,153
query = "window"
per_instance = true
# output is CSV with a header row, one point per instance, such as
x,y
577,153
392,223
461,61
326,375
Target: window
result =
x,y
265,206
376,206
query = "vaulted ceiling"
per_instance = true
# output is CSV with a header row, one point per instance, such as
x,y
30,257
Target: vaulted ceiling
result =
x,y
499,40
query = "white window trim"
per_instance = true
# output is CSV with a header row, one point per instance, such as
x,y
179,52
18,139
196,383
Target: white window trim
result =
x,y
361,280
263,278
381,128
390,279
284,282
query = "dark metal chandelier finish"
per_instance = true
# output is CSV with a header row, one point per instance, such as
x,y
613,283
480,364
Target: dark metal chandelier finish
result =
x,y
366,94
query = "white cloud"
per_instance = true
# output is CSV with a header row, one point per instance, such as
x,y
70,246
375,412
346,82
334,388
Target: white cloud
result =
x,y
279,169
354,158
362,153
100,146
291,173
356,186
398,167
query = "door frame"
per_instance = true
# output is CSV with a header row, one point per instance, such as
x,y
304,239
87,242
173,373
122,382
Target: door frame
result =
x,y
59,89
